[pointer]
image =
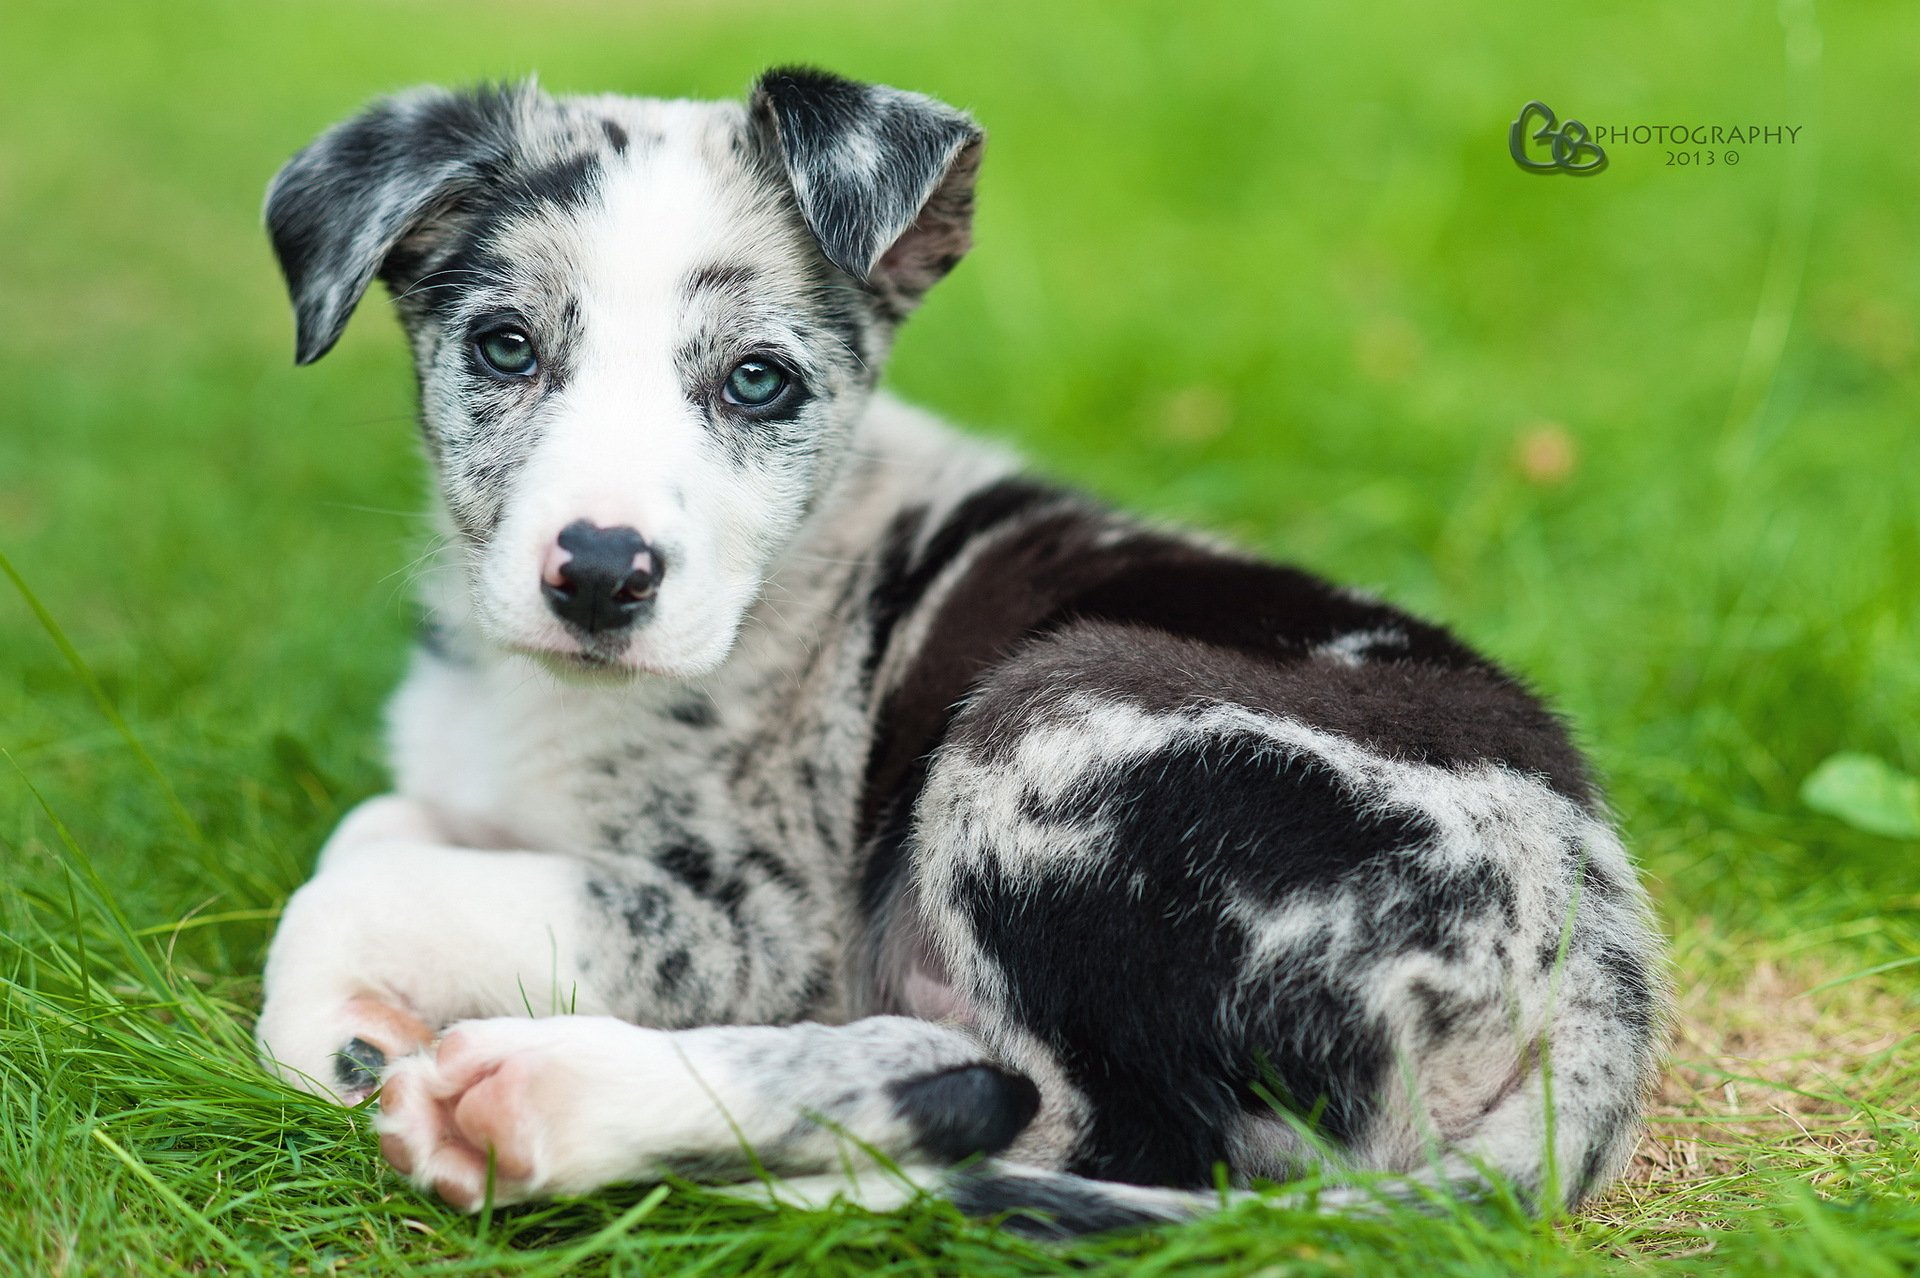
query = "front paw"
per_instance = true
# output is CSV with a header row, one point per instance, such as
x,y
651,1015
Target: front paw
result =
x,y
537,1108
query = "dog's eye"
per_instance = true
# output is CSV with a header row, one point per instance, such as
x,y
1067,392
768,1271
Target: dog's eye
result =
x,y
754,383
507,351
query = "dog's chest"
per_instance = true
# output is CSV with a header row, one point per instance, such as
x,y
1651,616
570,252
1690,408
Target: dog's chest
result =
x,y
769,755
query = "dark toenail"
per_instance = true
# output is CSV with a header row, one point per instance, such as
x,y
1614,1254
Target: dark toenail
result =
x,y
358,1064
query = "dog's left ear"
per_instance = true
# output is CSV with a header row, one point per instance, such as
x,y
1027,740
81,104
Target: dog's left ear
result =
x,y
884,178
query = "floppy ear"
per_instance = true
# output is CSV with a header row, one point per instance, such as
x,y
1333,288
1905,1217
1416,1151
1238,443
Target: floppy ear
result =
x,y
368,193
884,178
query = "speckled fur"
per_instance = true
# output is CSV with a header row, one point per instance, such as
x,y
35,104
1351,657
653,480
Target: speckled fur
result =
x,y
1043,833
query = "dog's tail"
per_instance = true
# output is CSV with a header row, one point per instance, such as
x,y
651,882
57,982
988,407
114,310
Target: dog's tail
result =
x,y
1526,1149
1055,1205
1028,1200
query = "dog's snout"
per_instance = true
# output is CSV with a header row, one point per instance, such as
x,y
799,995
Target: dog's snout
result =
x,y
600,579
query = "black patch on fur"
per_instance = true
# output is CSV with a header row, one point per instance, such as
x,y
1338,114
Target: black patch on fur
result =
x,y
695,710
975,1109
728,893
1046,1206
774,870
644,909
1634,1001
690,862
1250,626
1081,954
1440,1010
568,184
904,576
721,279
672,969
1274,823
616,136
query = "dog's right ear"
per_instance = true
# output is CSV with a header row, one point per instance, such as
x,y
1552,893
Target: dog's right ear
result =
x,y
377,188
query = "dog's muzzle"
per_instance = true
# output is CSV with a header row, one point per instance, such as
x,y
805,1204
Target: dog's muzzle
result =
x,y
600,579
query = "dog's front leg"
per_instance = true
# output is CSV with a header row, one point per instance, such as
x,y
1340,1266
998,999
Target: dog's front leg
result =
x,y
399,933
514,1109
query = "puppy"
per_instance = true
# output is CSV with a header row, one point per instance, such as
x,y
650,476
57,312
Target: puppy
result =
x,y
783,782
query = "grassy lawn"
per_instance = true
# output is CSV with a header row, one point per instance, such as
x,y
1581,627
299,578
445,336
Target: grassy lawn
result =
x,y
1649,436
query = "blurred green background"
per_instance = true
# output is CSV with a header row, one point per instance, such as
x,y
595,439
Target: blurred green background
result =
x,y
1648,436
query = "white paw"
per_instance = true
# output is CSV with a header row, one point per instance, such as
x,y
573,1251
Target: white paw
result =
x,y
558,1106
334,1013
392,939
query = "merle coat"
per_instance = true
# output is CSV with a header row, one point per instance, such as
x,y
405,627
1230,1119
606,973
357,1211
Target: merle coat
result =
x,y
875,804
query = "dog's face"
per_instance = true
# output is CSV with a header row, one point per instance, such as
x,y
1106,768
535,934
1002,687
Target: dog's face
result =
x,y
643,329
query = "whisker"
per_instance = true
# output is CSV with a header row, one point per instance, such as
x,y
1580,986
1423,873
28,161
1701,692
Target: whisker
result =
x,y
421,283
375,510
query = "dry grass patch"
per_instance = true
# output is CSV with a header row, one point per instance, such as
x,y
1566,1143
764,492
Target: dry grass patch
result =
x,y
1783,1068
1789,1059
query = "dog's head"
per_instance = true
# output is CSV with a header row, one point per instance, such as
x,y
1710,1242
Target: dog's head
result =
x,y
643,329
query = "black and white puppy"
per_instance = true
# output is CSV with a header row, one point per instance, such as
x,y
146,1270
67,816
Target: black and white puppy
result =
x,y
786,783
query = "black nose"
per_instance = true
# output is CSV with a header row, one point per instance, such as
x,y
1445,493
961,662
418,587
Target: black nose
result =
x,y
606,578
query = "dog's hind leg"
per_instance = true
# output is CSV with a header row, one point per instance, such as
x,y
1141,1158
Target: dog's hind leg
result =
x,y
511,1109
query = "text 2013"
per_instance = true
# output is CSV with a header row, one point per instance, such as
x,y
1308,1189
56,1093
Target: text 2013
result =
x,y
1700,159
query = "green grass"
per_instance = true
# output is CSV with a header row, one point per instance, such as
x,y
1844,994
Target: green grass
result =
x,y
1264,270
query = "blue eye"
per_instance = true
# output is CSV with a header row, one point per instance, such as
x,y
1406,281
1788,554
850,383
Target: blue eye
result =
x,y
507,351
754,383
